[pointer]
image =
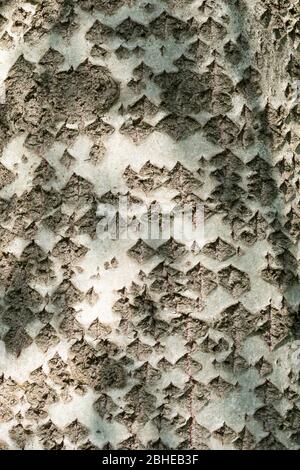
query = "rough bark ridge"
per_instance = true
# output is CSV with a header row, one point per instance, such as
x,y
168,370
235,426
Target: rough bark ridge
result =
x,y
122,344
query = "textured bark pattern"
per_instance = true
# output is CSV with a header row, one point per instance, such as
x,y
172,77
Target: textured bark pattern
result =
x,y
118,344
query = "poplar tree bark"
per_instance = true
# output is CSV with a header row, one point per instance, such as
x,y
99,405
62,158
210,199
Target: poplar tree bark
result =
x,y
149,343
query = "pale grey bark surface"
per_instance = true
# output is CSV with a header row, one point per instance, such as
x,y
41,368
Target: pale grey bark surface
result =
x,y
132,345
